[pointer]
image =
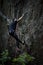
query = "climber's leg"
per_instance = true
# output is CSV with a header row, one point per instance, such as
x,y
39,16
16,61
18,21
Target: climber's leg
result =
x,y
17,39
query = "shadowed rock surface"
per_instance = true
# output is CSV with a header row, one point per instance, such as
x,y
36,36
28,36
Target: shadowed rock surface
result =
x,y
30,28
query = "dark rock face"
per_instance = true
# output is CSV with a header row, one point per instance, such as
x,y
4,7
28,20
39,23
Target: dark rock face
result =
x,y
30,27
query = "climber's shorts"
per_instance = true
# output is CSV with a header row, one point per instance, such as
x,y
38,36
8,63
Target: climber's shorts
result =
x,y
11,32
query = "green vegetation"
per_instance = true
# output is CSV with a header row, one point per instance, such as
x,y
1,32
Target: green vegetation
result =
x,y
4,57
22,59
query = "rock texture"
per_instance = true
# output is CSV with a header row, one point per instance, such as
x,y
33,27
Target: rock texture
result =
x,y
30,28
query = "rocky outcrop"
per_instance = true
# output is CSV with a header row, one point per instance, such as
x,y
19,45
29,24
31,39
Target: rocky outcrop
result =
x,y
30,28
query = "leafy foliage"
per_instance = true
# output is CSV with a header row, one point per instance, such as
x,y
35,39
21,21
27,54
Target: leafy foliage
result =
x,y
21,59
24,58
4,57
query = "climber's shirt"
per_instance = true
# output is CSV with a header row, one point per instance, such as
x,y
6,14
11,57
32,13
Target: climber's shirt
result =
x,y
12,26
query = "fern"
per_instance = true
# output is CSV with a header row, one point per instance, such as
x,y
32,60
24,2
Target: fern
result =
x,y
23,58
4,56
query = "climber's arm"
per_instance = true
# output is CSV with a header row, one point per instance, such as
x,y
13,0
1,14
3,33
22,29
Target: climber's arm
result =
x,y
5,17
20,17
2,15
